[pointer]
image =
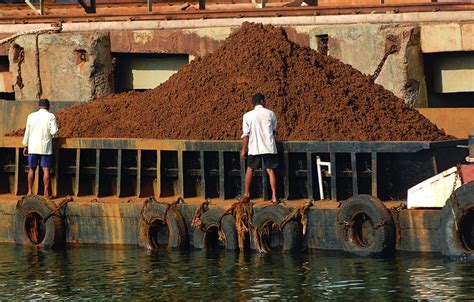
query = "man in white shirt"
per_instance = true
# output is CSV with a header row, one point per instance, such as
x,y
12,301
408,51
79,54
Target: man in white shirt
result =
x,y
259,130
40,129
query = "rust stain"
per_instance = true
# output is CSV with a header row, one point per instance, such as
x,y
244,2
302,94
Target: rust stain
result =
x,y
301,39
162,41
142,36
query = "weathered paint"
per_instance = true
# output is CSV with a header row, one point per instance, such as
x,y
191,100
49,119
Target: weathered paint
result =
x,y
421,240
7,221
117,223
418,230
163,41
62,67
322,230
102,223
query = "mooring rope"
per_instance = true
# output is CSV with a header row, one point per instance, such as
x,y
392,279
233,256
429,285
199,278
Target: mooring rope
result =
x,y
203,208
300,213
243,212
150,200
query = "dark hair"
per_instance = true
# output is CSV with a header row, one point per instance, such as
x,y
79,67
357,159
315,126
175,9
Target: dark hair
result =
x,y
257,99
44,103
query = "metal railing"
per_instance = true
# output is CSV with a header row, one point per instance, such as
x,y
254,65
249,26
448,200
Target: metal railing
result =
x,y
213,169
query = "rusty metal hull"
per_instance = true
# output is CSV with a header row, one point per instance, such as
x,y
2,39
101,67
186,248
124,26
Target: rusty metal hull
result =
x,y
117,223
110,178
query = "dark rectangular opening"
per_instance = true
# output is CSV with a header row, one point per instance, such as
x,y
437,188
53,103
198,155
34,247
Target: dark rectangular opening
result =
x,y
67,172
169,173
323,44
128,183
87,173
149,173
192,174
364,173
211,166
7,170
297,173
108,173
232,176
397,172
344,175
440,94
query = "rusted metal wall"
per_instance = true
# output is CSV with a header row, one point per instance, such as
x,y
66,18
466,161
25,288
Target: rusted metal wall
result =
x,y
322,230
117,223
418,230
7,221
103,223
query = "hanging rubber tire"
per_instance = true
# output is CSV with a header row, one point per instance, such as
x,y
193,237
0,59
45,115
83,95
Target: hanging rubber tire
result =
x,y
457,224
157,231
267,221
207,236
32,230
366,227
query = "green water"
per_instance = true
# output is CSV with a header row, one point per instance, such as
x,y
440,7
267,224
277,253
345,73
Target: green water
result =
x,y
97,273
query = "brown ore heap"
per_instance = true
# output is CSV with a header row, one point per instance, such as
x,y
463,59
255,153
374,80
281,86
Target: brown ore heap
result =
x,y
314,97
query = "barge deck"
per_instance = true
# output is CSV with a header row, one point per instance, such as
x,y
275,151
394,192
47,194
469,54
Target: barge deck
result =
x,y
127,192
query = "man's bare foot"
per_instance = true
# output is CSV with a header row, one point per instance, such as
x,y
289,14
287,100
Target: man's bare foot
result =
x,y
29,193
245,199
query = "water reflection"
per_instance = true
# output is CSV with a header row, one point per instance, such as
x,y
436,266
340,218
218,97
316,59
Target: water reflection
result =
x,y
131,273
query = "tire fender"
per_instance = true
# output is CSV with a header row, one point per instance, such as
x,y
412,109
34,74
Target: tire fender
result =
x,y
275,214
32,230
226,225
168,220
365,226
457,224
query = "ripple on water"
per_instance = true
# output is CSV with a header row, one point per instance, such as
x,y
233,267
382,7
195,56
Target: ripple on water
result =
x,y
95,273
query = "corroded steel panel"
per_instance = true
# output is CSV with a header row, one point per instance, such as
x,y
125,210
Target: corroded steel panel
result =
x,y
7,221
322,231
162,41
112,222
418,230
411,219
103,223
419,240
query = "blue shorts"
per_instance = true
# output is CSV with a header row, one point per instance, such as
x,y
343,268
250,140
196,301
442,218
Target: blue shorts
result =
x,y
45,161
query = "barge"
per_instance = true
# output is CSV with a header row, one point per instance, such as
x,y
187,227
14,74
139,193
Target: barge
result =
x,y
181,194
